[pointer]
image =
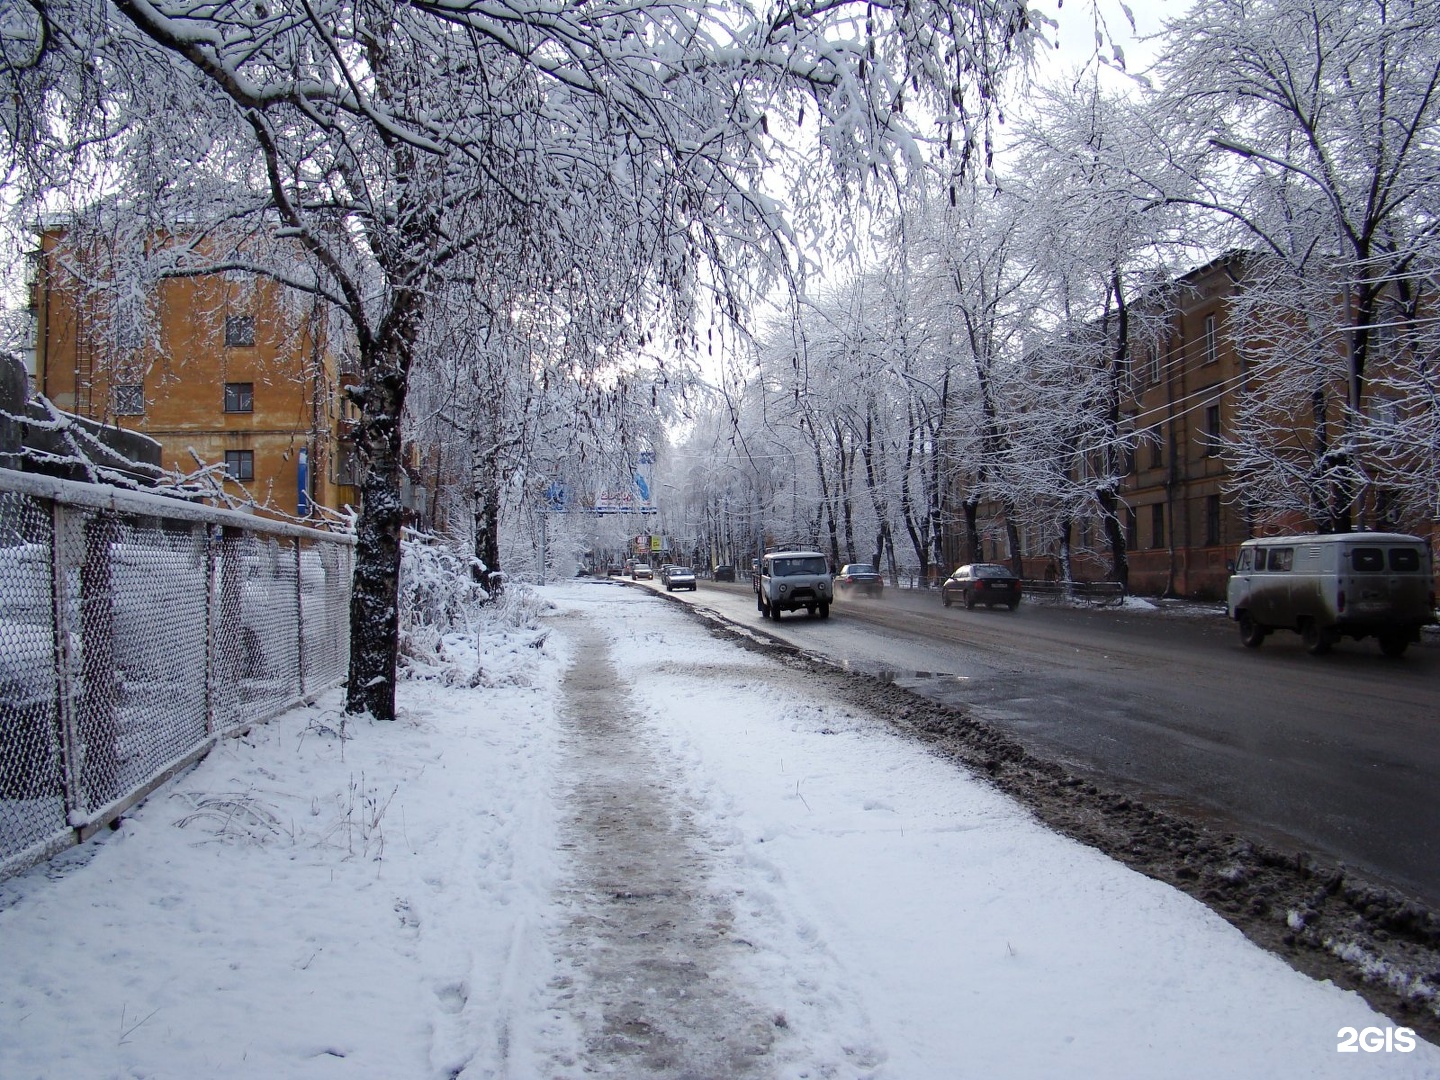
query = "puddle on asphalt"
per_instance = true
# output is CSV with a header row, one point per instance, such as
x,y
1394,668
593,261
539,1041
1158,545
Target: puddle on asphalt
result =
x,y
888,675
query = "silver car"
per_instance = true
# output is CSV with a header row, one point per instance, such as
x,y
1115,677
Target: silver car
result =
x,y
680,577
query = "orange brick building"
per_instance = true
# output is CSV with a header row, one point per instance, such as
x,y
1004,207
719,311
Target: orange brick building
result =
x,y
1184,383
230,369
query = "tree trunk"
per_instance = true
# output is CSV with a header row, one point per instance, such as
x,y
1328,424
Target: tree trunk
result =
x,y
1115,537
375,593
485,493
972,529
1012,536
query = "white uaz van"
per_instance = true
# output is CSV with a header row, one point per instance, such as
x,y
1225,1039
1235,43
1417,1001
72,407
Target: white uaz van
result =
x,y
1333,586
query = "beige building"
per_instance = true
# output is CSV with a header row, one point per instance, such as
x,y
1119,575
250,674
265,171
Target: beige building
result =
x,y
227,369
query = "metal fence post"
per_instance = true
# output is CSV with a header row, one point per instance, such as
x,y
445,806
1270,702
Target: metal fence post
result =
x,y
299,617
64,664
212,621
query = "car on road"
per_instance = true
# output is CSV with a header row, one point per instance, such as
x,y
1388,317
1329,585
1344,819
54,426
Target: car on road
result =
x,y
723,573
859,579
982,583
790,580
1327,587
680,577
643,572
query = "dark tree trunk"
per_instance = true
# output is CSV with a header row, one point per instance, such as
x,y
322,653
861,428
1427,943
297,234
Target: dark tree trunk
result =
x,y
375,593
1012,535
1115,537
972,530
485,493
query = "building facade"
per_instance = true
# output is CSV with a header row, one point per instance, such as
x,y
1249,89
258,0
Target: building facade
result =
x,y
1191,372
229,369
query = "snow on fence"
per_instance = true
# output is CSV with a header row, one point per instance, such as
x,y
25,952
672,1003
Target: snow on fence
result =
x,y
135,630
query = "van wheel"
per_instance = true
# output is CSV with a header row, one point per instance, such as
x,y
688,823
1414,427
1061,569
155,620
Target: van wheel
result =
x,y
824,611
775,612
1317,639
1252,634
1394,644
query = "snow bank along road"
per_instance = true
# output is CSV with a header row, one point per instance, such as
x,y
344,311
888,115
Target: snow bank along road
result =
x,y
620,843
1334,755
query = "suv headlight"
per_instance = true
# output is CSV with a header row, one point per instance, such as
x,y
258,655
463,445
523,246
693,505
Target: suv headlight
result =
x,y
784,589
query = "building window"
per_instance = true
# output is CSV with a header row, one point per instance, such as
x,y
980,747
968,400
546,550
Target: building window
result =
x,y
129,399
1212,520
1157,446
240,330
240,464
1132,528
1157,525
1212,430
239,397
1152,363
1212,346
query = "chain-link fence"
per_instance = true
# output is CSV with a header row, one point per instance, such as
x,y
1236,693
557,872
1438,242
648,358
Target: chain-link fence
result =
x,y
134,631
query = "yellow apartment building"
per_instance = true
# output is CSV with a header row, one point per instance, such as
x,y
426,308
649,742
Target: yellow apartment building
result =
x,y
226,369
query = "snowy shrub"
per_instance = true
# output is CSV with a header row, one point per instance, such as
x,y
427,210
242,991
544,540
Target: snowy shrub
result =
x,y
444,613
438,595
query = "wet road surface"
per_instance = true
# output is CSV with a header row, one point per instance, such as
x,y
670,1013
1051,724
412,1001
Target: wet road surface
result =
x,y
1338,755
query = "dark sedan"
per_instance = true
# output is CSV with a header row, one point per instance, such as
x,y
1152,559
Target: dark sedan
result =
x,y
859,579
982,583
723,573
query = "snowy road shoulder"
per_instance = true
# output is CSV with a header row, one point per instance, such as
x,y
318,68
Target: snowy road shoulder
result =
x,y
971,939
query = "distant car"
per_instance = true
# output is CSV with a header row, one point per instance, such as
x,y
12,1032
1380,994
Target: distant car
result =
x,y
616,571
724,573
982,583
680,577
859,579
642,570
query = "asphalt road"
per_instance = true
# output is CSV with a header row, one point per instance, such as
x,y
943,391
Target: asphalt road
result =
x,y
1336,755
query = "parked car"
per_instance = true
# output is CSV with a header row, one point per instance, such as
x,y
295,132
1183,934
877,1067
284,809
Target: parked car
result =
x,y
1327,587
859,579
723,573
982,583
680,577
615,570
643,571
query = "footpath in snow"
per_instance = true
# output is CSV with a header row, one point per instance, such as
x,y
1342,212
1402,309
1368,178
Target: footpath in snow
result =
x,y
609,841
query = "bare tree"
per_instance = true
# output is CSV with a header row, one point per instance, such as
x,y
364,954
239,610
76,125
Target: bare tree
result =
x,y
396,143
1319,118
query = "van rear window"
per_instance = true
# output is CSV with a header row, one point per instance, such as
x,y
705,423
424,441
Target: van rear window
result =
x,y
1367,559
1404,559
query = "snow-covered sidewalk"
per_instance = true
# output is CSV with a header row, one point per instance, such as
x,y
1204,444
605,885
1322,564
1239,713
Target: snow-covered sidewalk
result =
x,y
605,843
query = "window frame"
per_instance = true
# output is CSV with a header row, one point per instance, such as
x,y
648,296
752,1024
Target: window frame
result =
x,y
240,459
244,398
239,331
120,394
1212,429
